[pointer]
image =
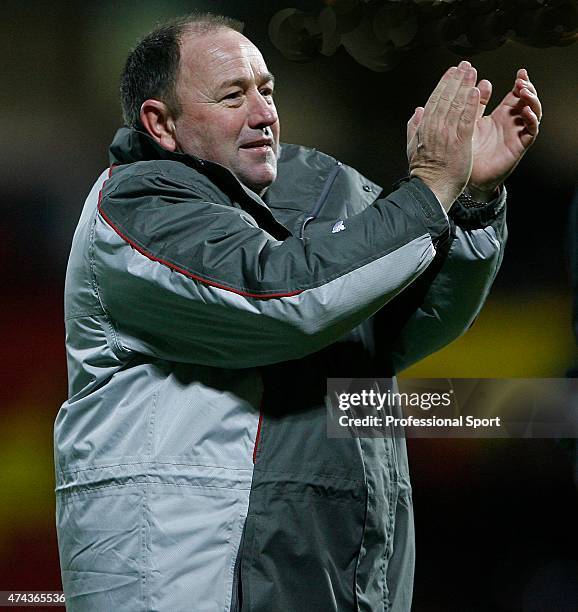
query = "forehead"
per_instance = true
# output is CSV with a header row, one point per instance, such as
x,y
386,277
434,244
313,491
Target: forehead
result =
x,y
210,59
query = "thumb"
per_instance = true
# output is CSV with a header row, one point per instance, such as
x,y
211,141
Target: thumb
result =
x,y
414,122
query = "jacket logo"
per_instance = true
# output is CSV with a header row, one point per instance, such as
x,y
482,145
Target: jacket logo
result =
x,y
338,227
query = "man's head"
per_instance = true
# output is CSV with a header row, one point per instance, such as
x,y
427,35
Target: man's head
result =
x,y
199,86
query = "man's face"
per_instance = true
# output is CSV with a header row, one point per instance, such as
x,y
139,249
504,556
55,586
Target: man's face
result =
x,y
228,115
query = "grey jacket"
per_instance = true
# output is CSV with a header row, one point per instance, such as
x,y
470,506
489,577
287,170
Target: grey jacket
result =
x,y
193,469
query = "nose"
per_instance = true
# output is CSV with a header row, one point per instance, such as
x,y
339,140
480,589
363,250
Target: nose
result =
x,y
262,112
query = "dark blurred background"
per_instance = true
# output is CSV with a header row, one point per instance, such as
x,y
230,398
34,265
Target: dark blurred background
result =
x,y
495,519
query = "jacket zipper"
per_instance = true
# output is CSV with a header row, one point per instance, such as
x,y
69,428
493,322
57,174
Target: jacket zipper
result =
x,y
237,593
322,198
258,434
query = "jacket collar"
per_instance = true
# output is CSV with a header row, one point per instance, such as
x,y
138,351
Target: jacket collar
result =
x,y
130,145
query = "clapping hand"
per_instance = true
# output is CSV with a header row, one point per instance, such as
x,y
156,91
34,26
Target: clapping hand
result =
x,y
440,135
502,138
499,139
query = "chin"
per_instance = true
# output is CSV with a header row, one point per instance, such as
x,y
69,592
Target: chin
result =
x,y
259,181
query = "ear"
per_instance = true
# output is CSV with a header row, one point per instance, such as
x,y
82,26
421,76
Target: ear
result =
x,y
158,122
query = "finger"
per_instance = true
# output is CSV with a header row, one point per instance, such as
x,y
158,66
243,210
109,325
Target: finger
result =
x,y
450,74
522,73
523,80
435,95
521,83
529,85
531,122
485,88
532,101
450,97
469,81
459,102
469,114
414,122
419,114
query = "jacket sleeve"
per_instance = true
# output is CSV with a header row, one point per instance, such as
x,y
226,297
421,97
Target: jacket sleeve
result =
x,y
185,279
444,302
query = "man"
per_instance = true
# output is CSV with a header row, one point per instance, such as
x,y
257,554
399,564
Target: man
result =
x,y
216,280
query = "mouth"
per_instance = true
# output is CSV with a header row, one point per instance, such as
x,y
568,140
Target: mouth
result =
x,y
262,145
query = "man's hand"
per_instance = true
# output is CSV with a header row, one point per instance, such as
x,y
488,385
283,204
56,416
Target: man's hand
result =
x,y
440,136
502,138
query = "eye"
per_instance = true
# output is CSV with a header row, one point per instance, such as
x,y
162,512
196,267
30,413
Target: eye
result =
x,y
266,91
234,95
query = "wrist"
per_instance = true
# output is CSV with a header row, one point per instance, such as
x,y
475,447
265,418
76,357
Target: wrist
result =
x,y
470,214
444,196
482,195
